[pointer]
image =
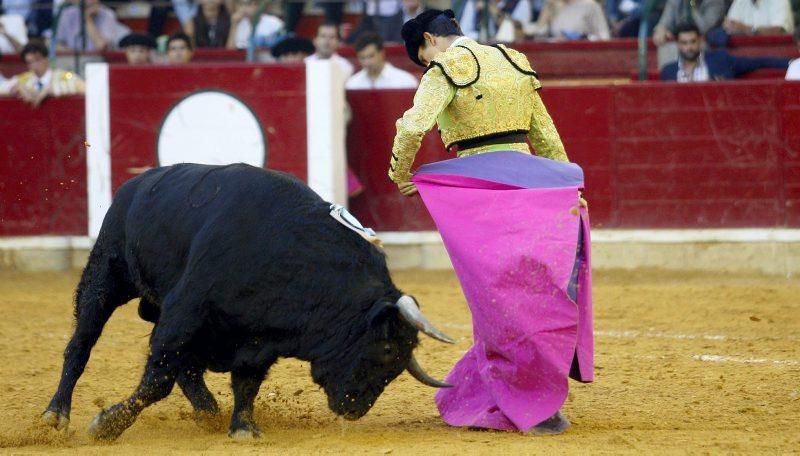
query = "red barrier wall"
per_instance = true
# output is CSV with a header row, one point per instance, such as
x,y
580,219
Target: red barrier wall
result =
x,y
43,168
142,97
655,155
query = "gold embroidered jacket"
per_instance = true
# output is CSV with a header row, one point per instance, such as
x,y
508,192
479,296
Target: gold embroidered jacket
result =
x,y
473,91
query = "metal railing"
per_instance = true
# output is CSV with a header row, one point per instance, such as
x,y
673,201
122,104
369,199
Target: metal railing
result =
x,y
644,28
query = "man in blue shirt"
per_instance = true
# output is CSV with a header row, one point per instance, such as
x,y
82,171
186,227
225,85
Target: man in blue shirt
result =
x,y
694,65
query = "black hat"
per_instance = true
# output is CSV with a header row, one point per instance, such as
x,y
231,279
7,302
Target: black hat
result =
x,y
414,28
292,45
137,39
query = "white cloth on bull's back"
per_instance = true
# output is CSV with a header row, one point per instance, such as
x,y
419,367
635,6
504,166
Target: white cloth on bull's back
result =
x,y
343,216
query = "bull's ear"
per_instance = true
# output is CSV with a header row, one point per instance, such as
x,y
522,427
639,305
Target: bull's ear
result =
x,y
380,311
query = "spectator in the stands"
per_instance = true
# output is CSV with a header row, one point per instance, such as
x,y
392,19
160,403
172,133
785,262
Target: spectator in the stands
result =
x,y
793,73
376,72
268,29
695,65
37,15
759,17
292,50
41,81
386,17
211,25
138,48
184,10
179,49
102,28
571,20
326,44
293,10
625,16
706,14
506,19
13,33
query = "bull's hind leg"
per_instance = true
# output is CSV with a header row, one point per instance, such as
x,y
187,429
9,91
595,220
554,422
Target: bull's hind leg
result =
x,y
171,341
190,377
245,384
104,286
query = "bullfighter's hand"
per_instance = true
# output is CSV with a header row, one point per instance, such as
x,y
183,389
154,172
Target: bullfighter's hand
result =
x,y
582,201
407,188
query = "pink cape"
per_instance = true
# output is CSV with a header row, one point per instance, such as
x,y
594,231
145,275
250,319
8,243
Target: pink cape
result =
x,y
511,223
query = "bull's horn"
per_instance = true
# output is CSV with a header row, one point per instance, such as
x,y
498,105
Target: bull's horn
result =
x,y
417,372
411,313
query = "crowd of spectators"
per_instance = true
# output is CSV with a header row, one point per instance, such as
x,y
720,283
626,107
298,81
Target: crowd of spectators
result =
x,y
691,35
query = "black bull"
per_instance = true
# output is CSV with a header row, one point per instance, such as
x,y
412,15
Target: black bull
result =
x,y
237,267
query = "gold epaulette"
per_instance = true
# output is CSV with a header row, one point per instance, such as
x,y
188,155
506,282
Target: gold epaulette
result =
x,y
66,75
25,77
459,65
519,61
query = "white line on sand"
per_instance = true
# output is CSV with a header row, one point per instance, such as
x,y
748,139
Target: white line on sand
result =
x,y
733,359
632,334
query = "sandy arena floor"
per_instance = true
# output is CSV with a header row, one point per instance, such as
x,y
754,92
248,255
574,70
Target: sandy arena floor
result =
x,y
685,363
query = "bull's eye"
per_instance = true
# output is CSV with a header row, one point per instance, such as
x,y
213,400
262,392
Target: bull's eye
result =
x,y
387,349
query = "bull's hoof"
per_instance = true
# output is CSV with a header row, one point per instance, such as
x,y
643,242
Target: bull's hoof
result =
x,y
554,425
55,420
248,432
243,435
111,423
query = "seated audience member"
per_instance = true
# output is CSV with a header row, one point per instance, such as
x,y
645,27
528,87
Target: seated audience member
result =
x,y
759,17
137,47
102,28
37,15
625,17
184,10
179,49
571,20
386,18
706,14
211,25
326,44
506,19
376,72
40,81
293,10
793,73
268,29
13,33
292,50
694,65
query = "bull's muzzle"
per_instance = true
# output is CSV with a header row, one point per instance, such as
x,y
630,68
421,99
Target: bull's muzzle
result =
x,y
409,310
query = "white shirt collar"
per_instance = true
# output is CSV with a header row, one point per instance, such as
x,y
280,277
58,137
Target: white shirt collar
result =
x,y
699,74
458,41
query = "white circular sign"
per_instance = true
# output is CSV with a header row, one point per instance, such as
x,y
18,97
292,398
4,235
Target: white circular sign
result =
x,y
211,128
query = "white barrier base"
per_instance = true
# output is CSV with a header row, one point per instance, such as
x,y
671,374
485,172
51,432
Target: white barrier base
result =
x,y
766,251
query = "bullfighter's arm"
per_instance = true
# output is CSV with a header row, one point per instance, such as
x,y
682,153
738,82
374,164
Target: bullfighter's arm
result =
x,y
543,134
433,95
